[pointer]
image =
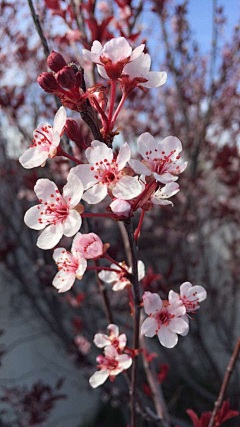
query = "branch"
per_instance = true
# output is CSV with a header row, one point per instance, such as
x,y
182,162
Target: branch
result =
x,y
136,316
226,379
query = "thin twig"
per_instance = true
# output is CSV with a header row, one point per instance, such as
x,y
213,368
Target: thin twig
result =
x,y
104,295
226,379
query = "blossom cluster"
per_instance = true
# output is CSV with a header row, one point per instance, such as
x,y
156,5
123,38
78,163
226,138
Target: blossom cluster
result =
x,y
128,184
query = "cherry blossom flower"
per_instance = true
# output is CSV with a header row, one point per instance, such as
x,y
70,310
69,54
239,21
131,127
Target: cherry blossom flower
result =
x,y
104,174
71,266
83,344
120,207
162,194
56,212
110,365
89,245
160,160
112,57
164,319
190,296
114,339
120,280
45,142
136,73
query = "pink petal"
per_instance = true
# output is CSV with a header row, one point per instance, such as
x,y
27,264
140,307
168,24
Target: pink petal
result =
x,y
127,188
123,156
152,302
73,190
59,120
167,338
149,327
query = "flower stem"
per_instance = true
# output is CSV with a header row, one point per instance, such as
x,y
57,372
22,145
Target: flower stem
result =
x,y
136,234
116,263
103,116
136,316
103,268
97,215
112,100
62,152
124,96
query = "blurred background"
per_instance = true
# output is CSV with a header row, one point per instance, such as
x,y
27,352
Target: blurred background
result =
x,y
46,351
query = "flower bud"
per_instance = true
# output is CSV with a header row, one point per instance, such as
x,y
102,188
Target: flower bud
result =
x,y
66,77
79,78
48,82
73,131
55,61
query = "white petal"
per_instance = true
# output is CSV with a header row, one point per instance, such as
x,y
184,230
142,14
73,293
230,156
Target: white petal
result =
x,y
85,174
141,270
139,67
108,276
64,280
201,292
82,265
127,188
169,144
186,319
110,352
59,120
101,340
55,143
32,215
98,152
124,361
146,143
123,156
177,308
96,47
173,297
161,202
120,207
137,52
178,325
72,224
167,191
167,338
152,302
98,378
73,190
50,236
102,72
139,167
61,254
33,157
165,178
184,288
113,328
95,194
155,79
120,285
117,49
149,327
44,188
122,341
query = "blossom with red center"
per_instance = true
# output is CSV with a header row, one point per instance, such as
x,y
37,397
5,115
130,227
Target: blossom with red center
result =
x,y
56,212
71,266
110,365
45,142
119,280
137,73
190,296
112,57
114,339
160,159
164,319
104,174
89,245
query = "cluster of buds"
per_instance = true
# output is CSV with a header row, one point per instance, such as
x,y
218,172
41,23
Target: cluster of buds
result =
x,y
65,82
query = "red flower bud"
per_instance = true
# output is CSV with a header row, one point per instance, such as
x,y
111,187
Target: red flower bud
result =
x,y
55,61
73,132
66,77
48,82
78,79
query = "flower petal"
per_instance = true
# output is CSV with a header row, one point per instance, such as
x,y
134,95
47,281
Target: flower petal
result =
x,y
127,188
98,378
72,224
178,325
117,49
61,254
170,144
101,340
33,157
165,178
139,167
155,79
114,329
102,72
120,207
184,288
167,338
123,156
32,215
141,270
173,297
122,339
124,361
110,352
50,236
108,276
186,319
63,280
98,152
149,327
147,143
120,285
137,52
44,190
82,265
95,194
59,120
152,302
85,174
73,190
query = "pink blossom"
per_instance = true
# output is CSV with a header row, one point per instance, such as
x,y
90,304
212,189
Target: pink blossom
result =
x,y
45,142
83,344
112,57
120,207
160,160
119,280
137,73
114,339
164,319
71,266
56,212
104,174
190,296
89,245
110,365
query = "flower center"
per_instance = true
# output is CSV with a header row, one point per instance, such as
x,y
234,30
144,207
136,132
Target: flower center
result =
x,y
191,304
56,212
160,164
67,263
107,363
107,172
163,317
